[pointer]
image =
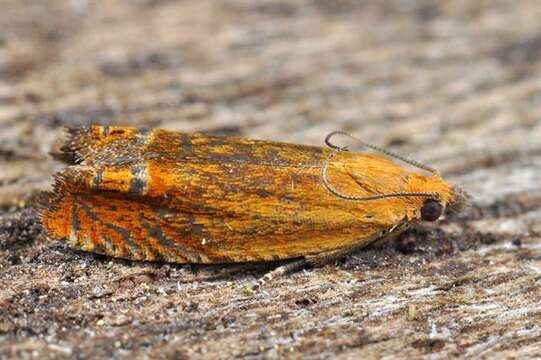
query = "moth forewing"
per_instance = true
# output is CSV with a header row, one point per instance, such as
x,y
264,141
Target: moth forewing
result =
x,y
192,198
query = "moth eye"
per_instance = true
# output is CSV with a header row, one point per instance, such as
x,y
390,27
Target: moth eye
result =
x,y
431,210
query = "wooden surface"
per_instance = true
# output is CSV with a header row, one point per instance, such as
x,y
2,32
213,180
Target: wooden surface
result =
x,y
455,84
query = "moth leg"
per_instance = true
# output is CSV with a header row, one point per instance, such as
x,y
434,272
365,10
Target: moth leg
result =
x,y
320,259
313,260
327,257
279,271
332,256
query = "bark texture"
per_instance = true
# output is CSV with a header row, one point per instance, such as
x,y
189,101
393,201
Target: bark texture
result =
x,y
454,84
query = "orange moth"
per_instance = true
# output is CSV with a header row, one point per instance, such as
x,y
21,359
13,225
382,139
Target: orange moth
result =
x,y
158,195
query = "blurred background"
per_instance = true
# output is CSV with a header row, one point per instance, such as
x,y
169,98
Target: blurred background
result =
x,y
455,84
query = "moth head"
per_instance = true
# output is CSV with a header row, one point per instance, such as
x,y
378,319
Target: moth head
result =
x,y
424,197
446,197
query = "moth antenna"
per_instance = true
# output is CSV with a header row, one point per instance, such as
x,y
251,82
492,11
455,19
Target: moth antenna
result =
x,y
335,192
378,149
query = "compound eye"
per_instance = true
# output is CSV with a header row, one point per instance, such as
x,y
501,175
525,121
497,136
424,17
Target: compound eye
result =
x,y
431,210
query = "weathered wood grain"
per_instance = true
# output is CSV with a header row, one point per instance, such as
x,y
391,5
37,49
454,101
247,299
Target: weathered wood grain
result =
x,y
454,84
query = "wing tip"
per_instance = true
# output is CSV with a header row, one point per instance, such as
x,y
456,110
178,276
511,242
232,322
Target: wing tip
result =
x,y
74,148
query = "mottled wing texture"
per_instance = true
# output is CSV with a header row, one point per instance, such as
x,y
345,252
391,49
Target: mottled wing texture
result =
x,y
162,195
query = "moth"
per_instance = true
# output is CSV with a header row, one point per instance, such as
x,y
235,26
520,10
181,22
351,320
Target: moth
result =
x,y
158,195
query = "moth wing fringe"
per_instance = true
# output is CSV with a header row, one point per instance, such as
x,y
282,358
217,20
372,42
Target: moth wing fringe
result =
x,y
76,148
64,181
